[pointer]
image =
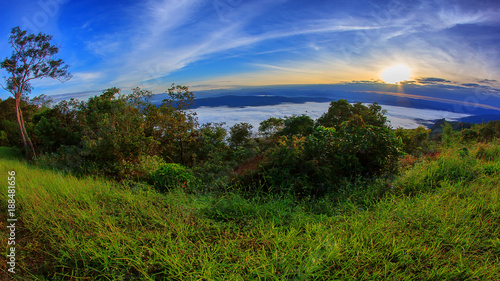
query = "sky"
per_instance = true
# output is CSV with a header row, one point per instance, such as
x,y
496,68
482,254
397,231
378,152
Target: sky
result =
x,y
220,44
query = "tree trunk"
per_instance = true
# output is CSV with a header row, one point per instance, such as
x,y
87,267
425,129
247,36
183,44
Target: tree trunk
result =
x,y
27,144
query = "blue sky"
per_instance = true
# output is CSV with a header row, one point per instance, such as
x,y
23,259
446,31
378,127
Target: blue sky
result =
x,y
235,43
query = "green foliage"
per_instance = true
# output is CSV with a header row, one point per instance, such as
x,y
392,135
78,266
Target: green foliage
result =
x,y
302,125
140,170
240,135
55,127
4,140
342,111
415,141
211,144
270,127
457,167
8,120
113,130
214,161
485,132
10,153
490,131
488,152
232,208
284,168
448,135
68,159
491,169
33,57
104,231
173,125
179,97
307,161
315,164
171,175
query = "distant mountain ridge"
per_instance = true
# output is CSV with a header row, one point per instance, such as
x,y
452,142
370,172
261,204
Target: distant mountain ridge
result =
x,y
262,99
461,124
352,93
258,100
477,119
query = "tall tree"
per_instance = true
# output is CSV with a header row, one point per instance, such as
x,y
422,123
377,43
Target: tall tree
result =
x,y
177,124
33,57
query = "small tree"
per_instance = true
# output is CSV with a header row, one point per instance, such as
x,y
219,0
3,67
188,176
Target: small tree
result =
x,y
302,125
32,58
240,135
176,122
270,127
341,111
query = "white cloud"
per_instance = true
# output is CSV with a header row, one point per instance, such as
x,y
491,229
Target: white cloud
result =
x,y
398,116
85,76
172,34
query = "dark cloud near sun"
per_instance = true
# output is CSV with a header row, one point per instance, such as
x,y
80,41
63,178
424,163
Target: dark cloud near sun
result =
x,y
488,81
432,80
471,85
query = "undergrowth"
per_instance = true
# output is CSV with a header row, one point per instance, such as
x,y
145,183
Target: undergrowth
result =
x,y
439,220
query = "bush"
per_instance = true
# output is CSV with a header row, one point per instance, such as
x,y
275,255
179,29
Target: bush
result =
x,y
415,141
490,131
66,159
139,170
170,176
285,168
315,164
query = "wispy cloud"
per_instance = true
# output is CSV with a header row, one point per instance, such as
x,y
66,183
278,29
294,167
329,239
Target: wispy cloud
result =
x,y
167,38
263,42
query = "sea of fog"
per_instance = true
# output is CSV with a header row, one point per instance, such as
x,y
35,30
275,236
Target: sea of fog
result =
x,y
398,116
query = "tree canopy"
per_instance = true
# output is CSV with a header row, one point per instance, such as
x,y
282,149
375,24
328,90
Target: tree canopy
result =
x,y
33,57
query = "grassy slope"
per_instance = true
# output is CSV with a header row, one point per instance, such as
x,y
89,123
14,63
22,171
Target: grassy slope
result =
x,y
89,228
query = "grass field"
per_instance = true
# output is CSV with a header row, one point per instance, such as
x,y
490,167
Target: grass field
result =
x,y
439,220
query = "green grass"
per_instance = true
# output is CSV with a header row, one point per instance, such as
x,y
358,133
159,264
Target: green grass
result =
x,y
10,153
440,221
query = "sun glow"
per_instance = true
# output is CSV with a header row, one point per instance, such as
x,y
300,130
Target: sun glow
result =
x,y
396,74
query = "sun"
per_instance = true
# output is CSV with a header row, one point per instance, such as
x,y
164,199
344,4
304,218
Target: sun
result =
x,y
396,74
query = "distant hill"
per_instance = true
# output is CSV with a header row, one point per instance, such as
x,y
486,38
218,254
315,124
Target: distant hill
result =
x,y
462,123
383,94
436,128
477,119
257,100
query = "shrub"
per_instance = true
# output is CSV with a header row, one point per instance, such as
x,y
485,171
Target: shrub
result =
x,y
490,131
284,168
315,164
415,141
4,141
141,169
66,159
171,175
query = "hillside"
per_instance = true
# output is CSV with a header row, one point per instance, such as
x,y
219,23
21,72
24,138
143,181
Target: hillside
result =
x,y
438,220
